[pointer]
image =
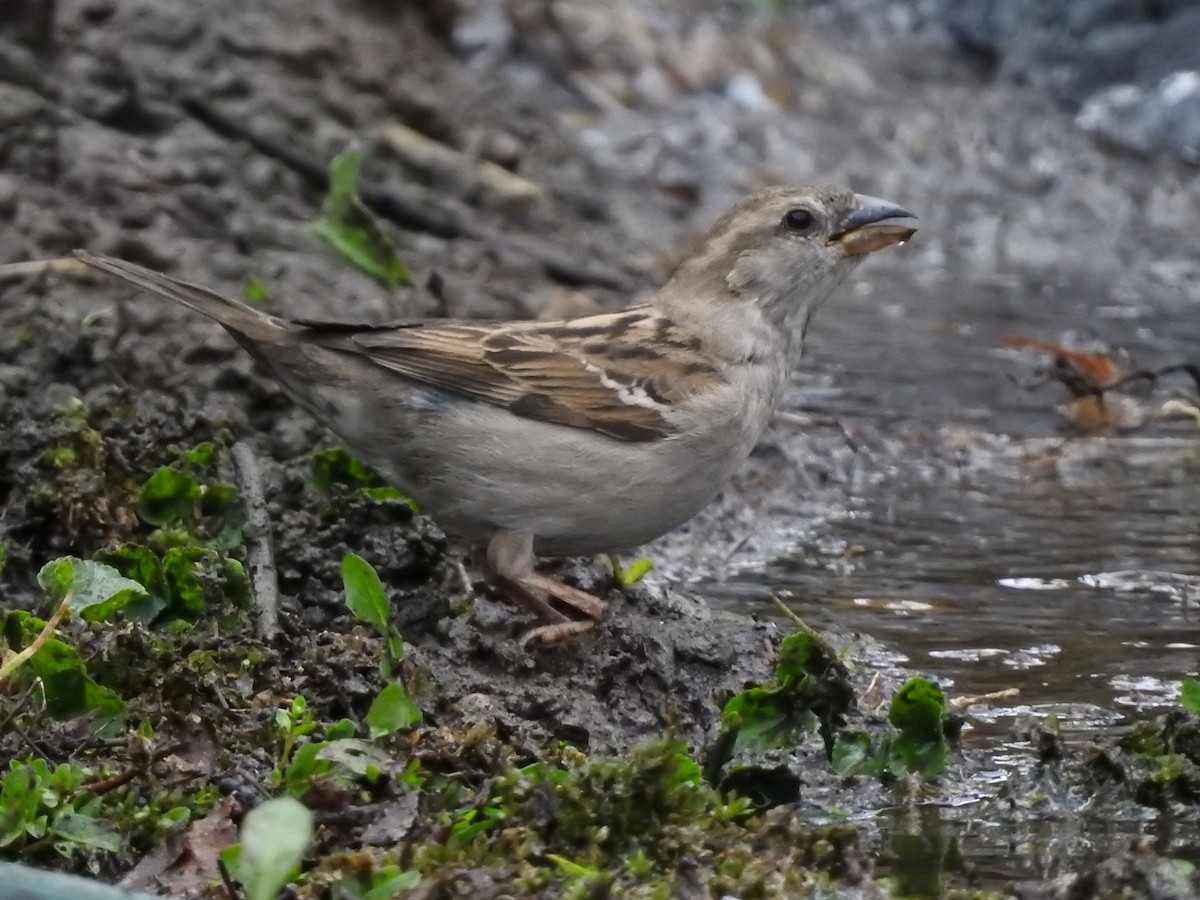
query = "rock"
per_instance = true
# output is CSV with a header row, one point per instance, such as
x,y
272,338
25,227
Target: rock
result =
x,y
1163,118
1124,66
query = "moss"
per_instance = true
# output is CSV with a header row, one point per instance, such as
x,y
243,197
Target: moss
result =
x,y
60,458
639,826
75,486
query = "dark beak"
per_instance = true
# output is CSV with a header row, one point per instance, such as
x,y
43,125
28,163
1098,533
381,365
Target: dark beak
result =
x,y
871,226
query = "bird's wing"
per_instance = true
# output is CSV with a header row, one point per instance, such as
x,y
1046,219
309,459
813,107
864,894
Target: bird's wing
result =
x,y
618,373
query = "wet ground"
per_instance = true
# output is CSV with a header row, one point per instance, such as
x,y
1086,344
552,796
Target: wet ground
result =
x,y
913,492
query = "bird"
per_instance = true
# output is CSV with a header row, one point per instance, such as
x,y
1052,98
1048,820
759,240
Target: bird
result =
x,y
578,436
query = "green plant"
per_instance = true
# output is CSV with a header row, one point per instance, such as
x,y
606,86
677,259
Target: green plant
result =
x,y
256,291
274,837
467,824
812,690
1189,696
382,883
180,583
335,468
584,822
349,227
43,804
302,762
188,512
921,718
29,647
631,575
184,565
393,709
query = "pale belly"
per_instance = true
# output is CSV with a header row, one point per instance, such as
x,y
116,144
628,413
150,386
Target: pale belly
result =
x,y
576,492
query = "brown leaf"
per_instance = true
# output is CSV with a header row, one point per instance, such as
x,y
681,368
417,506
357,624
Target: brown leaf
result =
x,y
187,863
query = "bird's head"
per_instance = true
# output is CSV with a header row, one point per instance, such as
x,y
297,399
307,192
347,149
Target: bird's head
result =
x,y
783,250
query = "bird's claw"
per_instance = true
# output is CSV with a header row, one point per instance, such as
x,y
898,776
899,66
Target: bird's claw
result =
x,y
552,634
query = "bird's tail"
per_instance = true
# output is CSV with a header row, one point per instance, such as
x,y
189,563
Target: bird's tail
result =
x,y
238,318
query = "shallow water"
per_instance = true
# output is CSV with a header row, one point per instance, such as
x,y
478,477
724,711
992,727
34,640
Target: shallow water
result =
x,y
1066,568
1082,595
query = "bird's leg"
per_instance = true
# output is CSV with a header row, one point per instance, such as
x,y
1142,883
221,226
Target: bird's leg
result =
x,y
510,558
559,627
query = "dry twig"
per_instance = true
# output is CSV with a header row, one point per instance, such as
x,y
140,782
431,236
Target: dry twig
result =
x,y
260,554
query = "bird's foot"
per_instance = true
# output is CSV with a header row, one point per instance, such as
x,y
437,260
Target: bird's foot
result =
x,y
510,560
527,592
588,604
517,591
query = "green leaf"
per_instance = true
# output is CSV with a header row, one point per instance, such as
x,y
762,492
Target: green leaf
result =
x,y
67,778
349,227
918,708
802,654
169,495
634,572
912,754
202,456
1189,695
20,801
72,827
359,758
304,768
393,885
393,710
183,569
394,648
237,583
69,691
225,515
142,565
364,593
766,719
918,711
388,493
174,818
573,869
854,755
335,466
274,838
57,577
682,769
231,859
466,829
96,590
256,291
60,457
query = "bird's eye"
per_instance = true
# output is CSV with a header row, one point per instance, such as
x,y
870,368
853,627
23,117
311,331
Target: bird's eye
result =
x,y
799,219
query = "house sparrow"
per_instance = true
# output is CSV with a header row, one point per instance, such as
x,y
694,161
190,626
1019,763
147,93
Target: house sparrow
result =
x,y
577,436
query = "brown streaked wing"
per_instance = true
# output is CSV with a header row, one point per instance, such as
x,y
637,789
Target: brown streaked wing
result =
x,y
616,373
